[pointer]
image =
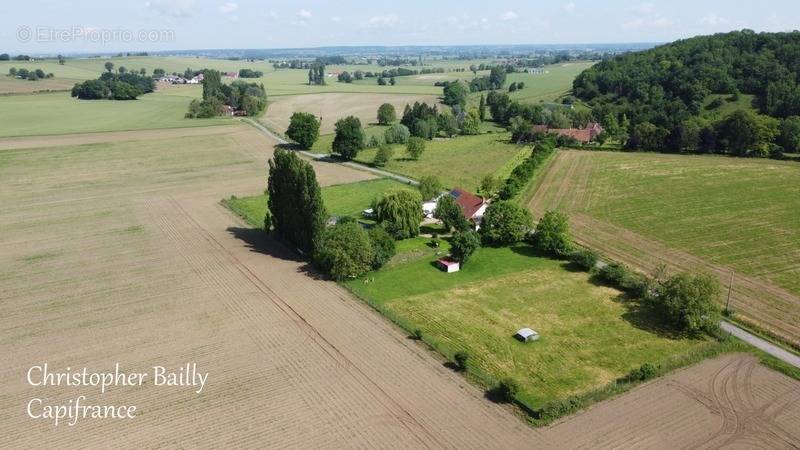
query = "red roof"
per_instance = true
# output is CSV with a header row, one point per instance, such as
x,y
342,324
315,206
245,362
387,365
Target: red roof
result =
x,y
447,261
469,202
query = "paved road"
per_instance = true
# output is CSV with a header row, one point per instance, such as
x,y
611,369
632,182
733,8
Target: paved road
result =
x,y
761,344
327,158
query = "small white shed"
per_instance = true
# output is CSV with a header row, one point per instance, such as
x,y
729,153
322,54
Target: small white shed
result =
x,y
527,335
448,265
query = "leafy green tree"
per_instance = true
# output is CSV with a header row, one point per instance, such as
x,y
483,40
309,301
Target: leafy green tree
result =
x,y
482,108
744,133
512,87
295,201
448,124
397,134
430,187
790,134
381,81
382,245
552,234
303,129
490,186
345,77
415,147
12,72
212,84
122,70
472,123
386,114
383,155
349,139
392,81
463,244
461,359
451,215
505,223
345,251
507,390
497,77
455,93
109,66
400,212
689,302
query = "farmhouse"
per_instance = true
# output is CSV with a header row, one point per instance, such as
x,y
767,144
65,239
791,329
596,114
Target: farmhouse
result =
x,y
584,135
233,75
471,205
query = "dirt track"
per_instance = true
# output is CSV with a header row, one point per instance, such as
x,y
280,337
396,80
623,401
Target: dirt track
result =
x,y
120,253
332,107
564,186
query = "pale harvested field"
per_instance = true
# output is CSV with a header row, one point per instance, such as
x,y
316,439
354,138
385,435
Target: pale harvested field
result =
x,y
120,252
332,107
756,238
10,85
727,402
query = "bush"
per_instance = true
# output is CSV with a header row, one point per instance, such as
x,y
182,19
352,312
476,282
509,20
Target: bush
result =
x,y
416,334
623,278
460,359
688,302
585,259
382,246
383,156
523,173
397,134
430,187
554,410
507,390
415,147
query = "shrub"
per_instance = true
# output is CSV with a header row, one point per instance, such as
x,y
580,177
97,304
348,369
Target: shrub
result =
x,y
430,187
383,156
623,278
397,134
585,259
688,302
382,246
523,173
554,410
415,147
416,334
507,390
460,359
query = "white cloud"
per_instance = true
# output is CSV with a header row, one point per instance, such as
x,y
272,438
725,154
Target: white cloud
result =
x,y
228,7
713,19
304,14
570,7
509,15
174,8
336,19
383,20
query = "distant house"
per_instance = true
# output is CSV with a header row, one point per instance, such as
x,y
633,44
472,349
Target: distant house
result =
x,y
448,264
526,335
233,75
227,110
584,135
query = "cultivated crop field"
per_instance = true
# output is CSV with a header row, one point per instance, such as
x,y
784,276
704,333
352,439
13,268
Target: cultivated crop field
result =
x,y
589,337
332,107
691,212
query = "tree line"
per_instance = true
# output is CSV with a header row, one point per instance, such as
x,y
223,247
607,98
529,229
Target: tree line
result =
x,y
251,98
120,85
661,94
29,74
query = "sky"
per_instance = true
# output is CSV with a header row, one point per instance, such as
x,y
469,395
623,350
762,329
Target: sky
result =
x,y
42,26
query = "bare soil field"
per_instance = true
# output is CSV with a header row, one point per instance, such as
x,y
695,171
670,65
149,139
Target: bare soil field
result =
x,y
118,252
727,402
332,107
758,298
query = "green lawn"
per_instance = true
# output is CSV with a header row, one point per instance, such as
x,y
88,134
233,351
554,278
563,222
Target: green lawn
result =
x,y
589,336
340,200
58,113
460,161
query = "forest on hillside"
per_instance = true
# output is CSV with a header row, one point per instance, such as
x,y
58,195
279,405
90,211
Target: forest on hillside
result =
x,y
657,99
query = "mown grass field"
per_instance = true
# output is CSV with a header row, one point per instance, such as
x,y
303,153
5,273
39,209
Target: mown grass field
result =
x,y
58,113
589,337
340,200
460,161
711,213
